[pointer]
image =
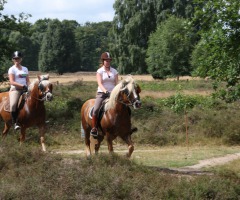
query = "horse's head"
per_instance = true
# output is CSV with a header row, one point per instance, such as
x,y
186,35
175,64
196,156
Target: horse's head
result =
x,y
42,88
130,93
45,88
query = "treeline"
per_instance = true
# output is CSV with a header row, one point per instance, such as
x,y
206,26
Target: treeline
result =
x,y
163,38
59,46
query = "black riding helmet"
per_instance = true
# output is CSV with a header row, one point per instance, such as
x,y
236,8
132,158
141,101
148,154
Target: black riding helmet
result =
x,y
17,54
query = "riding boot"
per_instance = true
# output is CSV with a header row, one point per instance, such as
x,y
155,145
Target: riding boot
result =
x,y
94,131
14,120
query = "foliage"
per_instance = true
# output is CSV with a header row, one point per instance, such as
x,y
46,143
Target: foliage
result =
x,y
169,48
217,55
165,123
92,39
167,86
57,53
9,24
132,25
73,48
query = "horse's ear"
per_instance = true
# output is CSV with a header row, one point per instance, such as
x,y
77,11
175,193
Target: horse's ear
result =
x,y
39,78
46,77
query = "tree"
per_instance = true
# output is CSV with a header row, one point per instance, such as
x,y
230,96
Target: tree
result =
x,y
9,24
132,24
58,47
92,39
217,54
169,49
134,21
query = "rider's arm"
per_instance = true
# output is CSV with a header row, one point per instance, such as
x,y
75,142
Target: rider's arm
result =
x,y
28,80
116,79
13,82
99,81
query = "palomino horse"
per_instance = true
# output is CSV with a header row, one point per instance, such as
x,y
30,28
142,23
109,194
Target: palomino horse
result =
x,y
116,118
33,111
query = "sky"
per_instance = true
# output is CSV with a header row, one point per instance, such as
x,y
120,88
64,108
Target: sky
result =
x,y
80,10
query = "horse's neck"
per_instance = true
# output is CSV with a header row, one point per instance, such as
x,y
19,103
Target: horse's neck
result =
x,y
119,107
34,96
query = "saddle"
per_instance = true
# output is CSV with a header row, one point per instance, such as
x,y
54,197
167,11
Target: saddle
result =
x,y
100,112
21,101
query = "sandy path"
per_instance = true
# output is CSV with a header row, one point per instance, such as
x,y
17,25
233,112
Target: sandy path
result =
x,y
198,167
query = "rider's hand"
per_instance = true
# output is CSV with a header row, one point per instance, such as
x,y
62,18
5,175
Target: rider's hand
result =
x,y
25,88
107,94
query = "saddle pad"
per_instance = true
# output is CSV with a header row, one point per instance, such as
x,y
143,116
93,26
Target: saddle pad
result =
x,y
6,103
100,113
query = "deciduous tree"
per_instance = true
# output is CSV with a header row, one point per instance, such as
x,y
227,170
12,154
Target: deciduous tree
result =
x,y
217,54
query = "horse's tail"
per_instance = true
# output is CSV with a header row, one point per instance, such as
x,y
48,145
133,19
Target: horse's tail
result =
x,y
82,131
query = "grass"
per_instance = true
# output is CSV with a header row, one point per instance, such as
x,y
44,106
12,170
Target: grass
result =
x,y
163,157
175,157
27,173
197,85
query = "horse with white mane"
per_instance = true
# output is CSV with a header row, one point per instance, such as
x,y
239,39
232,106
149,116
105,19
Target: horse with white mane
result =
x,y
32,111
116,119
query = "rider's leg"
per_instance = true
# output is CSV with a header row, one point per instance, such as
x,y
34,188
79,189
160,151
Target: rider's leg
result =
x,y
14,97
94,131
98,102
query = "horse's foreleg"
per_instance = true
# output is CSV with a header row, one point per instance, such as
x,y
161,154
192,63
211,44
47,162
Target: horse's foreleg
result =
x,y
130,145
94,145
22,135
110,144
98,143
42,130
87,143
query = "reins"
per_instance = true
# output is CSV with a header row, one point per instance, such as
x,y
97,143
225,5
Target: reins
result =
x,y
130,102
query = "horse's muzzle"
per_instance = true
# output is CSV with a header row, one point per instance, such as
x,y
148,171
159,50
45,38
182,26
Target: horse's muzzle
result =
x,y
49,96
137,104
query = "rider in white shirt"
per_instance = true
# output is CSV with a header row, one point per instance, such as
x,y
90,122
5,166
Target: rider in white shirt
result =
x,y
19,80
107,79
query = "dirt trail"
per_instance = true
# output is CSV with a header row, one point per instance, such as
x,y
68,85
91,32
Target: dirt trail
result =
x,y
193,168
209,163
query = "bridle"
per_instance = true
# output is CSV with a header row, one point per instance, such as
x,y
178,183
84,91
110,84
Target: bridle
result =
x,y
135,102
46,95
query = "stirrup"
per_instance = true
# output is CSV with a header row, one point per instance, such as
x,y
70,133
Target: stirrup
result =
x,y
16,126
94,132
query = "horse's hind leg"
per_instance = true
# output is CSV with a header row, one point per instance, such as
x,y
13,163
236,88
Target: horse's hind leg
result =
x,y
6,129
110,145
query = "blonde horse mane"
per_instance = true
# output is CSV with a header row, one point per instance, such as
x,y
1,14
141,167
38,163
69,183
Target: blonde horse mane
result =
x,y
43,78
128,82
